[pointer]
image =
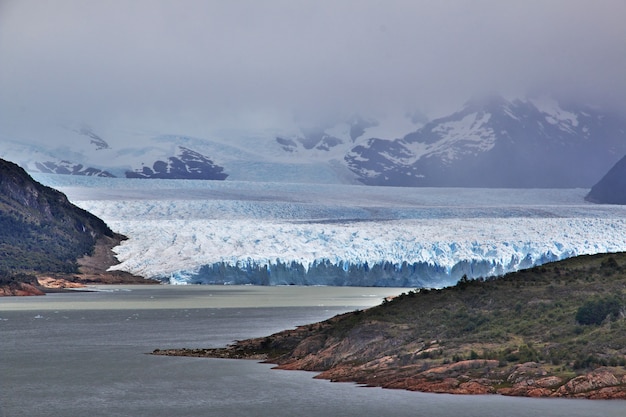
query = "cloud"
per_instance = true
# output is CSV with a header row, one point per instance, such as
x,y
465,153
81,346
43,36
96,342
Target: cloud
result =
x,y
229,61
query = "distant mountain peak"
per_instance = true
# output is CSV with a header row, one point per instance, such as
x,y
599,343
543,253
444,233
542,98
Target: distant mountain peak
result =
x,y
493,142
186,164
69,168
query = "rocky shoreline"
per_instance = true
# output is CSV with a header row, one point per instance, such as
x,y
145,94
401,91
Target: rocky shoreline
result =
x,y
19,289
465,377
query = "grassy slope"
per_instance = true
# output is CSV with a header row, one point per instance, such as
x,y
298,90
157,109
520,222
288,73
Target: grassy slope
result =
x,y
532,312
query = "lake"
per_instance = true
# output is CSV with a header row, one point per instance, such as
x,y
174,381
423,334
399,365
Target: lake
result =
x,y
84,354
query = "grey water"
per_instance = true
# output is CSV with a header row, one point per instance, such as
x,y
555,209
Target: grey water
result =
x,y
85,354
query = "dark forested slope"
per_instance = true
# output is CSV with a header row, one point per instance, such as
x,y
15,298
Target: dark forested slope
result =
x,y
40,230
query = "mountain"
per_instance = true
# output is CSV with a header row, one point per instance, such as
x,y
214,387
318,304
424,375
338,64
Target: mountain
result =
x,y
550,331
489,142
293,151
69,168
611,189
40,230
493,142
326,137
187,164
81,151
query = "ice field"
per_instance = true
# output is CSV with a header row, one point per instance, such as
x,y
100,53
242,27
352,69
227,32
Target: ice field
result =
x,y
235,232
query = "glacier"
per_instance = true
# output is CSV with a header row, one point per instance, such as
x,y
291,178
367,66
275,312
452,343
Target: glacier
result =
x,y
236,232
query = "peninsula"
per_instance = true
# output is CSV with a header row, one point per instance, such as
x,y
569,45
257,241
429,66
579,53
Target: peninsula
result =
x,y
557,330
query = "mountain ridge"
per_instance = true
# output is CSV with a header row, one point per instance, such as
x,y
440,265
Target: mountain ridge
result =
x,y
535,142
493,142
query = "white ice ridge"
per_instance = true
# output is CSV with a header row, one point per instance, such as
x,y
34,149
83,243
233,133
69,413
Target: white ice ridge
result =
x,y
165,246
177,249
272,234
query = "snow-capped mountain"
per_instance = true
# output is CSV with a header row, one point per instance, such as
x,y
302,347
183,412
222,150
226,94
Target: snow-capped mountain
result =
x,y
295,151
326,138
332,141
490,142
493,142
82,151
69,168
186,164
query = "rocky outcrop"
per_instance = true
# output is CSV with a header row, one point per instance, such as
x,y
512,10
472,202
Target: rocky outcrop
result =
x,y
19,289
468,377
602,383
307,348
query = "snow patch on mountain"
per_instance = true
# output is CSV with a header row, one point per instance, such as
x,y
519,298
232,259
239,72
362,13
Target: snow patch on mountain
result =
x,y
471,134
69,168
493,142
554,114
393,126
186,164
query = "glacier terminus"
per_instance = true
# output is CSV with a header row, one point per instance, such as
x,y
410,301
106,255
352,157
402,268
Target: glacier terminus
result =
x,y
262,233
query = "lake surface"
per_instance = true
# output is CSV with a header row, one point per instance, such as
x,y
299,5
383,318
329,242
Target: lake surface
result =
x,y
84,354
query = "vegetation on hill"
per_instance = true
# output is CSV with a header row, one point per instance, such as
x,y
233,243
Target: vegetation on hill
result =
x,y
531,332
40,230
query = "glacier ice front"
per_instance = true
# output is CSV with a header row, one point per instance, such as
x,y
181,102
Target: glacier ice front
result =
x,y
414,253
304,234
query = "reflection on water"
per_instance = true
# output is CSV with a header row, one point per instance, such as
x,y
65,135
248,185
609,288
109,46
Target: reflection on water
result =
x,y
84,354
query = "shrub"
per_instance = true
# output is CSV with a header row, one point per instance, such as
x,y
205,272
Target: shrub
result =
x,y
597,310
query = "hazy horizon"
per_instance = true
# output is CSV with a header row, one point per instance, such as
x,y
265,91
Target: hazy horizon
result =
x,y
208,64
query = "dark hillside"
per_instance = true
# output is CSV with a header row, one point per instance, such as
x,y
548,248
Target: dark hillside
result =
x,y
40,230
611,189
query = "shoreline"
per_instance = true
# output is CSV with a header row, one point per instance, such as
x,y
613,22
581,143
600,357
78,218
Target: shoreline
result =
x,y
466,377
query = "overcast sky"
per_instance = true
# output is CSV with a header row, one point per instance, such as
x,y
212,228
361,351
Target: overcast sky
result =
x,y
243,61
